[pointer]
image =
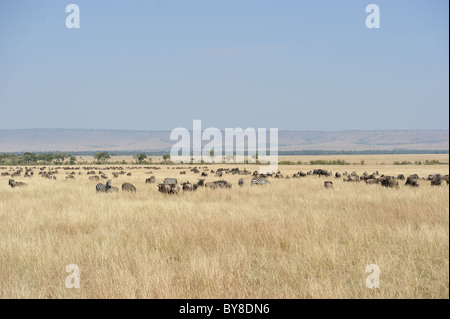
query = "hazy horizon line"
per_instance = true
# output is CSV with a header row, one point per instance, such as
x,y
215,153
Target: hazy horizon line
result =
x,y
168,130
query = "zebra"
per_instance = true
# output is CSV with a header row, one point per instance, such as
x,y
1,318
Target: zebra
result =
x,y
241,182
13,183
170,181
104,188
128,187
259,181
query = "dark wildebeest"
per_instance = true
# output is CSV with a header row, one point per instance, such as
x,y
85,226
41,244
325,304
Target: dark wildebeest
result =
x,y
412,180
436,180
13,183
218,184
189,187
389,181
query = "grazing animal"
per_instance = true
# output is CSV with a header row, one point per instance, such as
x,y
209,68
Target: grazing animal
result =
x,y
389,182
113,189
351,178
94,178
103,188
436,181
127,187
13,183
201,182
321,172
328,184
189,187
241,182
259,181
412,180
152,179
170,181
169,188
219,184
337,175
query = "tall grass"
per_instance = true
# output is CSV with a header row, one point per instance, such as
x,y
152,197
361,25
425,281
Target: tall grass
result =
x,y
293,239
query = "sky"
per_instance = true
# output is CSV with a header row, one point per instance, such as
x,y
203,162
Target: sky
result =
x,y
291,65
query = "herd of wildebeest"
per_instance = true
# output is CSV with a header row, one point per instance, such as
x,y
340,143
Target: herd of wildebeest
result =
x,y
171,185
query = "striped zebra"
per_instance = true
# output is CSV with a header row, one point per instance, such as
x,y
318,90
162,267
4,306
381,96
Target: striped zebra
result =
x,y
241,182
104,188
170,181
259,181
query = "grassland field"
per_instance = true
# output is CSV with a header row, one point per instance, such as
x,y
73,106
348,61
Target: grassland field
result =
x,y
292,239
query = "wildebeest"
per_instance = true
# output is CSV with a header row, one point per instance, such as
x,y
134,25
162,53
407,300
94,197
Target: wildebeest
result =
x,y
13,183
321,172
389,182
201,182
219,184
241,182
188,186
412,180
337,175
127,187
152,179
436,180
328,184
351,178
169,188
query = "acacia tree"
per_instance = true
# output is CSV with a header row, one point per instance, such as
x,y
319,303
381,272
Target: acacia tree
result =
x,y
101,156
29,158
166,157
140,157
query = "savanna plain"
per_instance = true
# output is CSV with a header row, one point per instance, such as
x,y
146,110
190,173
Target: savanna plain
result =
x,y
293,238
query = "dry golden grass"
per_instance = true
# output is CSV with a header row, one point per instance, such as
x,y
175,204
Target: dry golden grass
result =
x,y
293,239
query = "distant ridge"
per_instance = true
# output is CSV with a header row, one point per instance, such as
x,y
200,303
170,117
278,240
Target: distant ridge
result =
x,y
77,140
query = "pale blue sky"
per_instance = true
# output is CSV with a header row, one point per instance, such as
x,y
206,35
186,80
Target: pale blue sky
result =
x,y
153,65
